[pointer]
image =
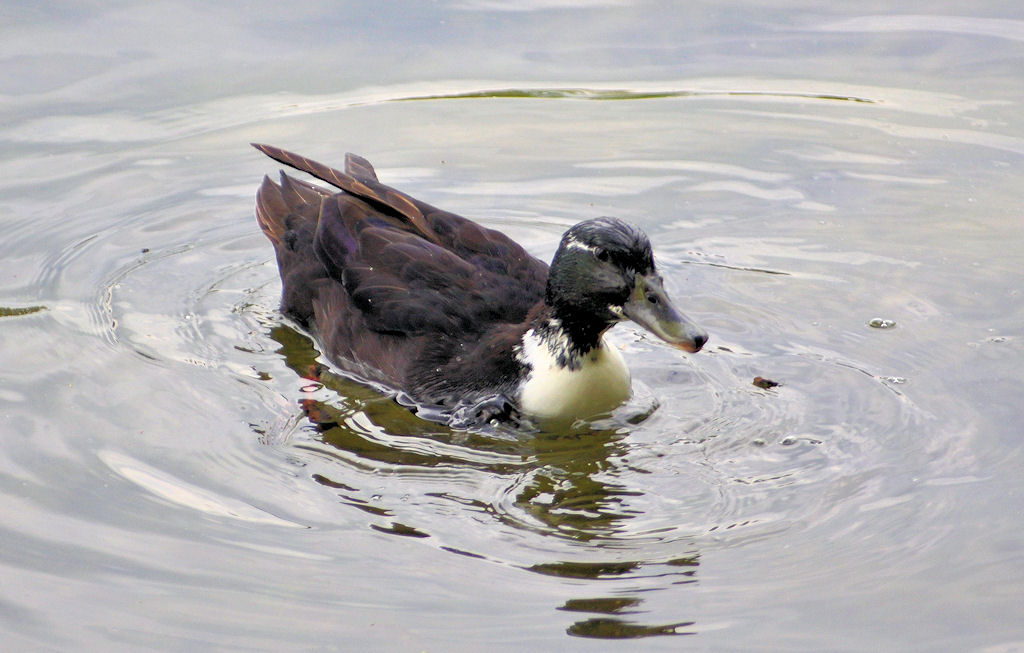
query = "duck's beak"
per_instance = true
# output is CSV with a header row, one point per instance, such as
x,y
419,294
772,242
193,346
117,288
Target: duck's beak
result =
x,y
650,307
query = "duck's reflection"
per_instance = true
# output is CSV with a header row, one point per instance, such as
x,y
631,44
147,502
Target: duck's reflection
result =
x,y
615,621
611,628
559,484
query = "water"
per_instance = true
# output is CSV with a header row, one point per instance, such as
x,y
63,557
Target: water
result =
x,y
803,171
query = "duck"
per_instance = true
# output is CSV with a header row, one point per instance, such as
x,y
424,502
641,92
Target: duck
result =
x,y
445,313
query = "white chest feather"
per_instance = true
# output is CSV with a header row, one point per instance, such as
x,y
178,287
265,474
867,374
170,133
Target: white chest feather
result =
x,y
555,392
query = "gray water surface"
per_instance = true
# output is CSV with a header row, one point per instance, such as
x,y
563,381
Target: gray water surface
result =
x,y
808,175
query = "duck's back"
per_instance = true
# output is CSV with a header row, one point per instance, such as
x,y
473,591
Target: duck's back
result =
x,y
398,292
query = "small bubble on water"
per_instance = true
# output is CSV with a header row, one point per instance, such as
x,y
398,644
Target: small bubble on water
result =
x,y
881,323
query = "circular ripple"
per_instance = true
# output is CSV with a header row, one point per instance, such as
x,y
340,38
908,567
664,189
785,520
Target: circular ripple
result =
x,y
702,459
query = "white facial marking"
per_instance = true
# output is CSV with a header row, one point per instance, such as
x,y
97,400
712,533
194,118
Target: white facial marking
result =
x,y
573,243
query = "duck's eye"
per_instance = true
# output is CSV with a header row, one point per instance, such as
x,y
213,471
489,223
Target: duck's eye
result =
x,y
601,254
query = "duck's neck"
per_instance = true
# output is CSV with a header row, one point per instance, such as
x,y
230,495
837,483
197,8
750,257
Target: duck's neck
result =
x,y
569,338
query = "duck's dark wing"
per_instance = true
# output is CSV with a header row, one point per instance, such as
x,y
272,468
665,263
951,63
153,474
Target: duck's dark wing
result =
x,y
390,267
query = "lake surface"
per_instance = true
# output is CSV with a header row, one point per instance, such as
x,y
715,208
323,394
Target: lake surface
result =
x,y
835,194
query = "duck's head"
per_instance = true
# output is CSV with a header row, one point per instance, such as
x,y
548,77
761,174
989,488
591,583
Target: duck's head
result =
x,y
603,272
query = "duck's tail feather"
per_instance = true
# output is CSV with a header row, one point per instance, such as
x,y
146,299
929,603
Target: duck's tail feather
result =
x,y
360,180
280,205
271,210
288,213
360,168
320,171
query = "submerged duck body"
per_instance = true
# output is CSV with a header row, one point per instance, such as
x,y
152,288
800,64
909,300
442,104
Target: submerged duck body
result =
x,y
452,314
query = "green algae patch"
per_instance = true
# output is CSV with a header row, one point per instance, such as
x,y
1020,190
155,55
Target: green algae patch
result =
x,y
12,311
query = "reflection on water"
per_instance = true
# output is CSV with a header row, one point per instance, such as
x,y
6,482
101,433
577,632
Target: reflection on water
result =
x,y
551,476
547,483
608,628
